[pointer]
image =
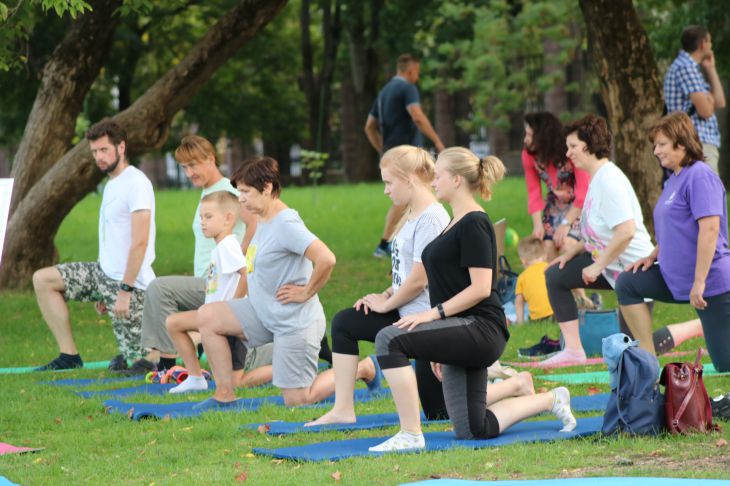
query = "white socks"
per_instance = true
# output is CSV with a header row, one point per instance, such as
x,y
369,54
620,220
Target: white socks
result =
x,y
401,441
191,383
561,408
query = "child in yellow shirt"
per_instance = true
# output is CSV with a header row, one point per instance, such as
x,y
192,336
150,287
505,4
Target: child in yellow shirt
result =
x,y
531,288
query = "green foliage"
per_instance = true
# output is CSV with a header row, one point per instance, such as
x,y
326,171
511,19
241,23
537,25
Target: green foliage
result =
x,y
256,93
17,23
19,86
665,19
313,162
495,49
72,7
140,7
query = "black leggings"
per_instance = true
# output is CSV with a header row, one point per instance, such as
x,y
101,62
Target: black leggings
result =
x,y
325,354
561,282
633,288
465,346
350,326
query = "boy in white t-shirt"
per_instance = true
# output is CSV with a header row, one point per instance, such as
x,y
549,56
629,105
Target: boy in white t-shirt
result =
x,y
225,280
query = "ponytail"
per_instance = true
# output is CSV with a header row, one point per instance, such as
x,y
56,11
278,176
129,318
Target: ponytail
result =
x,y
480,173
491,170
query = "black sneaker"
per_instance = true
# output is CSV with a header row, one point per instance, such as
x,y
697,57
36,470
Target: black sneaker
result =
x,y
139,367
63,362
118,363
545,348
721,407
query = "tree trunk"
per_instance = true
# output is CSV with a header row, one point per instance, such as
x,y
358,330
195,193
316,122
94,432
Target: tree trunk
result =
x,y
318,86
444,122
555,99
34,224
67,77
359,158
631,91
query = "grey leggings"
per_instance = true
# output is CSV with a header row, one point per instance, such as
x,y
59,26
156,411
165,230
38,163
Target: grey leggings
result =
x,y
465,346
632,288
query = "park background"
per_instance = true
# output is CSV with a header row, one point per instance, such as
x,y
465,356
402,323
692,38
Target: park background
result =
x,y
261,77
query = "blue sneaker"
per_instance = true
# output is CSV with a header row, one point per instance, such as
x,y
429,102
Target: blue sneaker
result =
x,y
381,252
213,404
376,384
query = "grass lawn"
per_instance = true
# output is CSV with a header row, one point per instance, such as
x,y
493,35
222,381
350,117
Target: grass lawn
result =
x,y
83,445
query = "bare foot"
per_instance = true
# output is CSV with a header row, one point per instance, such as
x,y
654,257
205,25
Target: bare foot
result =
x,y
366,370
334,417
526,387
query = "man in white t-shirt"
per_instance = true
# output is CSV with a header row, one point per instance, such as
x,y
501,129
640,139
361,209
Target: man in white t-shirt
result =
x,y
116,282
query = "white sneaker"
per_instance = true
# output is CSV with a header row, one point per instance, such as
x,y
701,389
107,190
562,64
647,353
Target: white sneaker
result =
x,y
402,441
191,383
561,408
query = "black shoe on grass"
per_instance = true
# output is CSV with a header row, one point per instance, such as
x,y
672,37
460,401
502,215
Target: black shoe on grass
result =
x,y
544,349
118,363
721,407
139,367
63,362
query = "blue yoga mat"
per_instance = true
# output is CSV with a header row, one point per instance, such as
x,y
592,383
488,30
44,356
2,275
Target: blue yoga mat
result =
x,y
92,381
6,482
590,403
617,481
436,441
157,389
137,411
364,422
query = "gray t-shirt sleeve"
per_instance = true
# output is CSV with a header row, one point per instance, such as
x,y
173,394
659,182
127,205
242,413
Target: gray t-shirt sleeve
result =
x,y
297,237
427,229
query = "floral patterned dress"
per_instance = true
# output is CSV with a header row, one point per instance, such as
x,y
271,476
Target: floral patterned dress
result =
x,y
566,186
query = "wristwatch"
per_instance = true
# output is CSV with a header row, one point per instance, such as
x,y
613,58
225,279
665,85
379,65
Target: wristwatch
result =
x,y
125,287
565,221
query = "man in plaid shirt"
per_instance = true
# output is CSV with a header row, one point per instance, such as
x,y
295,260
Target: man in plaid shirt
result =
x,y
687,90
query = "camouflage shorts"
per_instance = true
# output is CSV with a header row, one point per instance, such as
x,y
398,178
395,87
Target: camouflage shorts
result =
x,y
86,282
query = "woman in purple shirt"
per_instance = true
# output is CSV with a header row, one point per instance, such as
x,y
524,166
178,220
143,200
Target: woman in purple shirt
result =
x,y
691,262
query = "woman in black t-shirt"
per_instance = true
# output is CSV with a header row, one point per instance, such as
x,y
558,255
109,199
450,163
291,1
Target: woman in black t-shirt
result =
x,y
465,330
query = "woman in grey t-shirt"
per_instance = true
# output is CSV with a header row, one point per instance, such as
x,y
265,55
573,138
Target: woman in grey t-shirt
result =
x,y
286,266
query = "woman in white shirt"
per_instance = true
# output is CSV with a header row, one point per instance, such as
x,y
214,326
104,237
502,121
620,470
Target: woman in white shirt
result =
x,y
613,235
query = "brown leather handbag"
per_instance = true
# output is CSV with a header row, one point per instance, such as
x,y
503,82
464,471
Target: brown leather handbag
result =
x,y
687,405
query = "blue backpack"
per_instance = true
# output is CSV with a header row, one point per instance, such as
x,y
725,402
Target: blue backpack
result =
x,y
506,281
635,404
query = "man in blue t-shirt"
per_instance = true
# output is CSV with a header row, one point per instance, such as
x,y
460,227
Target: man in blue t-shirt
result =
x,y
396,119
687,90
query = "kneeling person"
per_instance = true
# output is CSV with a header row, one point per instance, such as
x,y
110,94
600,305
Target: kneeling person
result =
x,y
287,265
225,280
117,280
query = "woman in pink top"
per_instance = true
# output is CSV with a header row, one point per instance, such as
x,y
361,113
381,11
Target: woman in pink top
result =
x,y
556,217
